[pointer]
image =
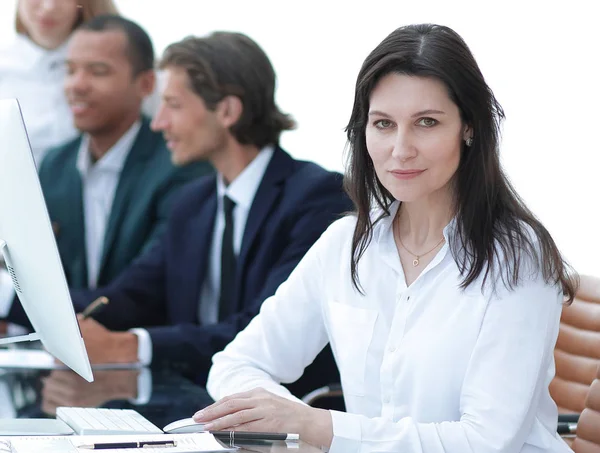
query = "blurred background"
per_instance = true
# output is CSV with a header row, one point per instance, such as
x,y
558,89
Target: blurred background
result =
x,y
539,57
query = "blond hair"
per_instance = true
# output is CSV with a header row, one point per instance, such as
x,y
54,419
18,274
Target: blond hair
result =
x,y
88,9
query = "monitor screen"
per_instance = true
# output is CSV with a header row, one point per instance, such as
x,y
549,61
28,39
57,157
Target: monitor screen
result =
x,y
29,247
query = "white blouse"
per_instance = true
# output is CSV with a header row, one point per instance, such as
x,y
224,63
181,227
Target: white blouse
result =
x,y
428,368
35,76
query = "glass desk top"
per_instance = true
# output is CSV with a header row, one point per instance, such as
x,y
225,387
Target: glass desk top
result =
x,y
160,396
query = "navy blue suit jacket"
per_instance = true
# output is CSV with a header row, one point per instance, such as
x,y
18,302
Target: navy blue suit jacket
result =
x,y
295,202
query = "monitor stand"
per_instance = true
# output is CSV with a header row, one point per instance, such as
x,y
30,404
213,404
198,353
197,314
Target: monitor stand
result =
x,y
17,339
20,338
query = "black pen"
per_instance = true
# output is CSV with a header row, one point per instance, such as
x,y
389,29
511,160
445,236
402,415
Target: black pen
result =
x,y
153,443
95,307
241,436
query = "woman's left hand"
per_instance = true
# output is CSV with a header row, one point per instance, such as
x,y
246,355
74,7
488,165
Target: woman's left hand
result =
x,y
262,411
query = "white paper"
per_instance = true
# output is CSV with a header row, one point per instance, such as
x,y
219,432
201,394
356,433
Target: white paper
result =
x,y
41,445
186,443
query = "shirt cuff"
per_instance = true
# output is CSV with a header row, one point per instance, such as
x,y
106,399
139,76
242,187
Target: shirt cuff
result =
x,y
144,346
144,388
7,293
346,433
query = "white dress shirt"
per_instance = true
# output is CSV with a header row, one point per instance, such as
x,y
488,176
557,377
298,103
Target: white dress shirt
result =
x,y
35,76
428,368
99,182
242,191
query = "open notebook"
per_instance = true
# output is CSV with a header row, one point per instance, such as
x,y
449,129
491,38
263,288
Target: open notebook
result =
x,y
188,443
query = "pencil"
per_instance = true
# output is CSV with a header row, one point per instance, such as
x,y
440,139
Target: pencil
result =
x,y
95,307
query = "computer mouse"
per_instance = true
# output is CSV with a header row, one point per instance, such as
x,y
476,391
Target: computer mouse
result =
x,y
186,425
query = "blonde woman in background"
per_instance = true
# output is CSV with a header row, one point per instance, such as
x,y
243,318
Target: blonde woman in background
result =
x,y
32,69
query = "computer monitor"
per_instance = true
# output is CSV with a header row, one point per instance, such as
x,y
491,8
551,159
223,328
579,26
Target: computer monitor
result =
x,y
29,248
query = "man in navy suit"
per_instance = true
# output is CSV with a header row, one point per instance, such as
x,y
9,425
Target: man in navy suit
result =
x,y
231,239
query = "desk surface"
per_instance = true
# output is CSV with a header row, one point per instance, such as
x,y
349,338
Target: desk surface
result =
x,y
169,397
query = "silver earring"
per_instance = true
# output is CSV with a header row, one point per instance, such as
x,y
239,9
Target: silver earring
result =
x,y
469,141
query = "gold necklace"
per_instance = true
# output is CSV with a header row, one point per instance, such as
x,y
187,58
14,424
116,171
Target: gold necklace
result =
x,y
418,257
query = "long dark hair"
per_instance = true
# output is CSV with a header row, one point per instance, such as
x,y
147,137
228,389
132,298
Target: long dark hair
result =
x,y
493,222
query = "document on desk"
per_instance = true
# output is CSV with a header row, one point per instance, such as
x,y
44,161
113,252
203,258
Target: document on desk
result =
x,y
37,359
185,443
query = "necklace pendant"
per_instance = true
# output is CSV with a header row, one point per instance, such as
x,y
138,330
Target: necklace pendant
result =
x,y
415,262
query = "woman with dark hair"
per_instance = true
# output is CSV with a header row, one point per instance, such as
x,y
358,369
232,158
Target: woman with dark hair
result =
x,y
441,297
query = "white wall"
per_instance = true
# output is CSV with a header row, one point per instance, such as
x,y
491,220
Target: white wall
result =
x,y
539,57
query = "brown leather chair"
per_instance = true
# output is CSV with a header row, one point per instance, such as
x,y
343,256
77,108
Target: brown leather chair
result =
x,y
587,439
329,397
577,352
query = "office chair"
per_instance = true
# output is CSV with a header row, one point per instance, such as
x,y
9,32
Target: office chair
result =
x,y
327,397
577,352
586,430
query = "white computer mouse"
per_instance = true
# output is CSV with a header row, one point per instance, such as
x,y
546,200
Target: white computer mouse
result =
x,y
186,425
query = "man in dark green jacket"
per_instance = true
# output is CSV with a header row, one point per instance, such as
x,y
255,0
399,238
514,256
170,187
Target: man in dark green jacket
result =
x,y
140,204
108,192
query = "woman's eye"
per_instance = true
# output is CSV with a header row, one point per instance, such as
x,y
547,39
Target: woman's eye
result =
x,y
383,124
427,122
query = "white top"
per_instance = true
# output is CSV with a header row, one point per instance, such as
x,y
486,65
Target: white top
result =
x,y
242,191
426,368
99,182
35,76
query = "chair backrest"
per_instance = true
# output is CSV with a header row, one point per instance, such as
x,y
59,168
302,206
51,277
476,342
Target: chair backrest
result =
x,y
577,352
588,427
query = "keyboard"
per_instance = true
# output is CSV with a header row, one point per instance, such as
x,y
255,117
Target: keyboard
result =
x,y
86,420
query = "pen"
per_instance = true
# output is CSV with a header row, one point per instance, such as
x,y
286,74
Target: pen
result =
x,y
154,443
241,436
95,307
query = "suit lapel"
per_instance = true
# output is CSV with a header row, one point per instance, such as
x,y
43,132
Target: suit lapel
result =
x,y
266,196
133,168
72,197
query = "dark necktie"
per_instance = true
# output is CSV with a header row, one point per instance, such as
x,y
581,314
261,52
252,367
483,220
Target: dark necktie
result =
x,y
226,307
